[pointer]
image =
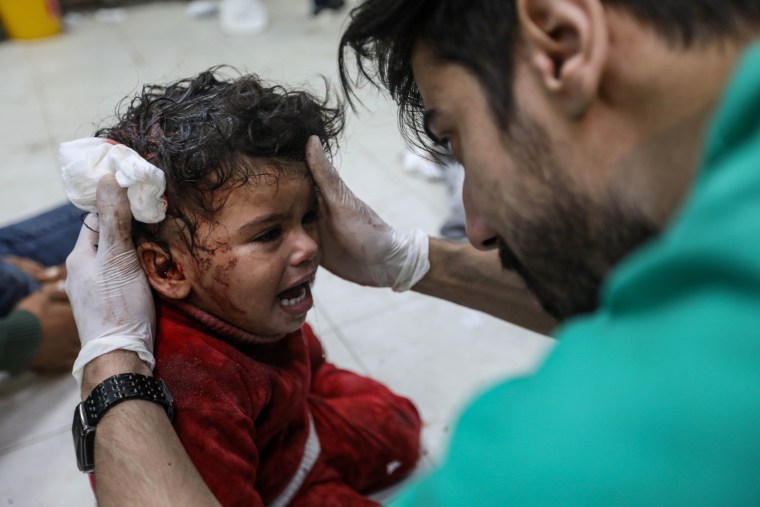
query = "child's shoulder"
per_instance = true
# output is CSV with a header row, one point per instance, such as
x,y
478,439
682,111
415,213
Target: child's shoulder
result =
x,y
205,373
182,346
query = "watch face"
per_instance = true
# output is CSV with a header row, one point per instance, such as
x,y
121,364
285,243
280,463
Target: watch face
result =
x,y
84,440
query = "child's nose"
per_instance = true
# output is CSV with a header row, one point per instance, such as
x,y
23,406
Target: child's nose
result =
x,y
305,247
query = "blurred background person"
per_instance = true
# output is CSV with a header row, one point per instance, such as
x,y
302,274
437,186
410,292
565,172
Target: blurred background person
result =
x,y
37,329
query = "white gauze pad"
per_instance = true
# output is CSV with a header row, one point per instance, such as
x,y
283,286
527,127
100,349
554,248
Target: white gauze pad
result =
x,y
84,161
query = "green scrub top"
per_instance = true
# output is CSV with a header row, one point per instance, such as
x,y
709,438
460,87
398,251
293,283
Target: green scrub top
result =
x,y
655,398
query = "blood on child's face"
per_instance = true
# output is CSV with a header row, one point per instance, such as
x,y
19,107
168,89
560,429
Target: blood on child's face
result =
x,y
263,256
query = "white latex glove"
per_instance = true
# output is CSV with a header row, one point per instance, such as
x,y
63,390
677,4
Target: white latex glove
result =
x,y
109,294
356,243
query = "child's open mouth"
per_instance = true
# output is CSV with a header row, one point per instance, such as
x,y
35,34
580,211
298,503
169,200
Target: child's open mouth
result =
x,y
296,300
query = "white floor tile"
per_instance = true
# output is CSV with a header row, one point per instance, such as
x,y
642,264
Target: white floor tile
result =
x,y
33,407
44,475
29,181
345,303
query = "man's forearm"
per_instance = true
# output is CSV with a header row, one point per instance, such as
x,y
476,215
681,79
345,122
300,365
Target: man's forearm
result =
x,y
463,275
139,459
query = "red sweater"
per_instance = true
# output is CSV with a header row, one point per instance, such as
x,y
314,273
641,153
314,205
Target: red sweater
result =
x,y
243,421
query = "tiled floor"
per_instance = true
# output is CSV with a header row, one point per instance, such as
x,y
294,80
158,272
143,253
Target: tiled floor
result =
x,y
58,89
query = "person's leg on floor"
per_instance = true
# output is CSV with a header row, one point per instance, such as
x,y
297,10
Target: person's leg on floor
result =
x,y
15,285
46,238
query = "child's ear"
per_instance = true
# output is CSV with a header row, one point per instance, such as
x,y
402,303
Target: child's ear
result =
x,y
164,274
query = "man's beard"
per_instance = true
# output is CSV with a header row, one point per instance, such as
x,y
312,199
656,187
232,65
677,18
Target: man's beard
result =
x,y
567,248
564,267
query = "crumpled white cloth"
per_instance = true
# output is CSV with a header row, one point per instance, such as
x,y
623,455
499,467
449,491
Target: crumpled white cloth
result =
x,y
84,161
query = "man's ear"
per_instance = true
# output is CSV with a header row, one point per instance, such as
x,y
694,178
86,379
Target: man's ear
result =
x,y
164,274
567,45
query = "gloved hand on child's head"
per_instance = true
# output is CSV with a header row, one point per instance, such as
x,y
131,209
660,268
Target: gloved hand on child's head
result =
x,y
110,296
356,243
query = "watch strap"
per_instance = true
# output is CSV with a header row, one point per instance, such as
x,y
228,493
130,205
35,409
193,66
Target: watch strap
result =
x,y
126,386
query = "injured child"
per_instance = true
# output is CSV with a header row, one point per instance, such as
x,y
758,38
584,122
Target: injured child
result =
x,y
266,419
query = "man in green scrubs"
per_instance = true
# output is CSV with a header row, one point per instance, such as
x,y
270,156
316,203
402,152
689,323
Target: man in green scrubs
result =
x,y
587,129
654,397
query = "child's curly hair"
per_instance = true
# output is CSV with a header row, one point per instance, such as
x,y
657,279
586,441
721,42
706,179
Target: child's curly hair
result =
x,y
207,132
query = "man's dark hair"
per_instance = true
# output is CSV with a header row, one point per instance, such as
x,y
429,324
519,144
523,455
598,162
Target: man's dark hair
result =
x,y
481,36
210,133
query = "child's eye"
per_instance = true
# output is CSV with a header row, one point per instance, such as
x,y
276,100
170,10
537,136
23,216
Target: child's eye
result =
x,y
270,235
311,217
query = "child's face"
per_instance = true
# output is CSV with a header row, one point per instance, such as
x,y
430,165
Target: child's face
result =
x,y
264,255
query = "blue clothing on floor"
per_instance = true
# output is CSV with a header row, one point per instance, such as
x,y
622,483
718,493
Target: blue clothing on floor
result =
x,y
46,238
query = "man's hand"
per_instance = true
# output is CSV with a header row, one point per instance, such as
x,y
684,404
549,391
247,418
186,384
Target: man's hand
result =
x,y
60,344
109,293
357,244
40,272
140,460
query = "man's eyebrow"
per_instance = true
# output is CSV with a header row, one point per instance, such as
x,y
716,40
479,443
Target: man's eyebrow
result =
x,y
427,119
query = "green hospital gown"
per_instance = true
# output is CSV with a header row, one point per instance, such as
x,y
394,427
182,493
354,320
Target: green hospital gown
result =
x,y
655,398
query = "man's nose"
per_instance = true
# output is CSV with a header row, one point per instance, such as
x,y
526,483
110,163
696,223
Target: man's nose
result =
x,y
480,234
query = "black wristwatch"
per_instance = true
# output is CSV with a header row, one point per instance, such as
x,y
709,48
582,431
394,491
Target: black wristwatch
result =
x,y
110,392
